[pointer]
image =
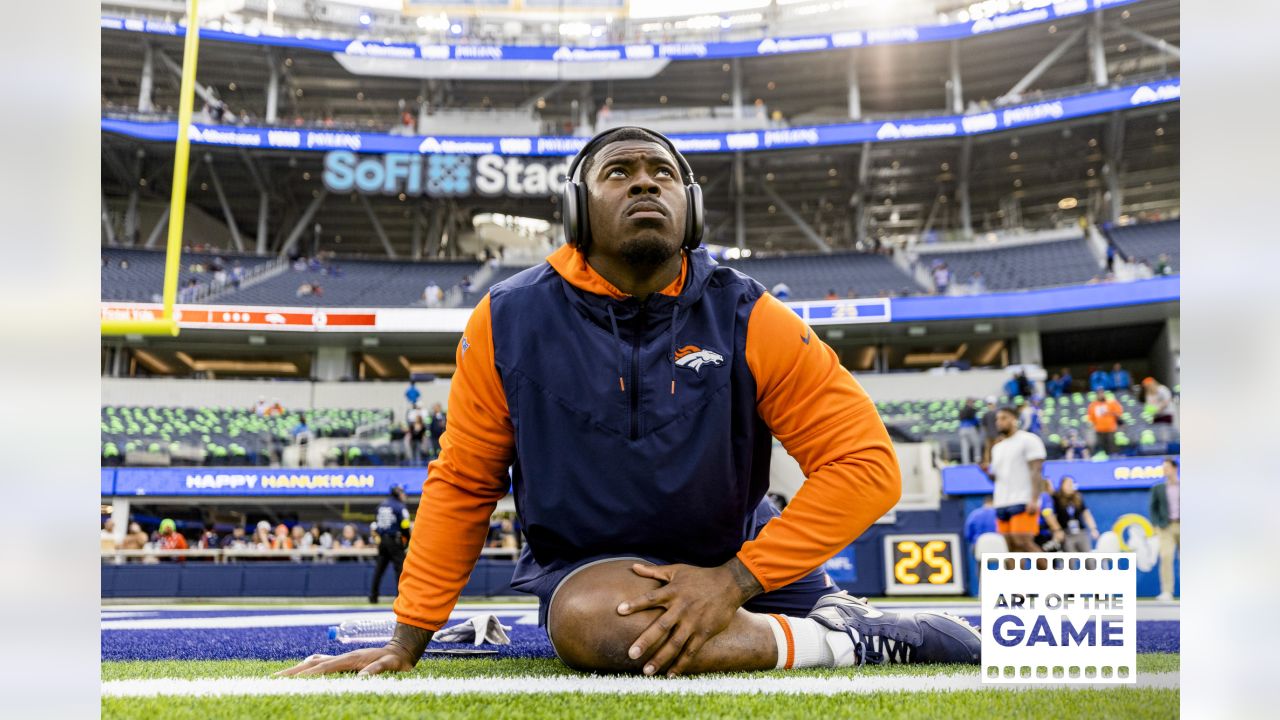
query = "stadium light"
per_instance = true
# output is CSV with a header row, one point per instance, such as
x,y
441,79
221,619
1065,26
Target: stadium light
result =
x,y
365,18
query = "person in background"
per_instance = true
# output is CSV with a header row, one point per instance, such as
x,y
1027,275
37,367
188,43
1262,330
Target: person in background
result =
x,y
281,541
413,394
1165,508
260,408
209,540
261,536
977,285
979,522
1044,533
831,295
782,291
1066,380
438,421
135,539
391,523
108,541
169,538
941,278
1074,446
236,540
989,431
1053,387
1099,380
416,436
1120,378
1163,267
1105,414
970,435
1157,401
349,538
297,535
1030,417
1017,459
1072,524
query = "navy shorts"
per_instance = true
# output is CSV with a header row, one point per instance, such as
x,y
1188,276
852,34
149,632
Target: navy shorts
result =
x,y
796,599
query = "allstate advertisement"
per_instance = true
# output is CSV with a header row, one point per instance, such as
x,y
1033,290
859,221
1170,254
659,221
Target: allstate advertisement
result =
x,y
1136,472
205,481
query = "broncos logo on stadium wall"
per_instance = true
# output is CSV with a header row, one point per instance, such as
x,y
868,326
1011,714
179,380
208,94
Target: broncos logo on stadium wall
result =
x,y
694,358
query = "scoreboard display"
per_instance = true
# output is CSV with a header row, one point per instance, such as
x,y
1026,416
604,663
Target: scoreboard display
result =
x,y
923,564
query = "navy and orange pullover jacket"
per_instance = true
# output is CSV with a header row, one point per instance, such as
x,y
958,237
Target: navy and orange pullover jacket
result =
x,y
635,428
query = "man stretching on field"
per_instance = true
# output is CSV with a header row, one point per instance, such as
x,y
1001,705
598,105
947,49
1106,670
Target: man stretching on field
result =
x,y
633,388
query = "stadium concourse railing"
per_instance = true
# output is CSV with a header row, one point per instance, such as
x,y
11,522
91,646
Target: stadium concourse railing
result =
x,y
222,555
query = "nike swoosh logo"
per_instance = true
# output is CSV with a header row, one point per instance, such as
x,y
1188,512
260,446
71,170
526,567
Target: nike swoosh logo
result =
x,y
871,613
805,339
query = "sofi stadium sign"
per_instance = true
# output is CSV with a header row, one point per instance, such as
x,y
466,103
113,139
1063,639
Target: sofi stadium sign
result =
x,y
441,175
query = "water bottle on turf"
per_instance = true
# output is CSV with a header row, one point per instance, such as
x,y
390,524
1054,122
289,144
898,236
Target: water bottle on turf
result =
x,y
363,631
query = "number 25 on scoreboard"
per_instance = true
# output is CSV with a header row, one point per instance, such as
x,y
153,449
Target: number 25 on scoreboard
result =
x,y
922,565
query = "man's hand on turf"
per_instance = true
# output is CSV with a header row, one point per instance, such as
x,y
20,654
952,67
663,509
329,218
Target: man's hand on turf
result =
x,y
400,655
698,604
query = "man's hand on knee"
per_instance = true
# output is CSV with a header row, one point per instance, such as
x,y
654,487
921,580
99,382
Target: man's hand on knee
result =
x,y
699,603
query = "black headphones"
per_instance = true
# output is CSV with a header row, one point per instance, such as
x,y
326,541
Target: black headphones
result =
x,y
573,196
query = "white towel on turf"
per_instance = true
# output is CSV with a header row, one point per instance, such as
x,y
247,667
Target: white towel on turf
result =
x,y
478,630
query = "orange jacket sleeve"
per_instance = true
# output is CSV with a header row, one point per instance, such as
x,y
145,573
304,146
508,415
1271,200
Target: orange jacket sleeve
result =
x,y
463,485
826,421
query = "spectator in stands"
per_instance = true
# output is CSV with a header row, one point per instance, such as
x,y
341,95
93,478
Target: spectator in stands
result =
x,y
413,393
237,274
1099,379
301,432
1158,408
1163,267
1105,413
296,536
782,291
135,539
260,408
979,522
977,284
1053,388
261,536
432,295
317,538
209,540
350,538
1120,379
416,435
1044,535
989,430
1111,257
276,409
281,540
124,264
236,540
108,541
1030,417
941,278
168,537
970,435
439,420
1165,508
831,295
465,284
1073,525
1074,446
1066,380
1016,461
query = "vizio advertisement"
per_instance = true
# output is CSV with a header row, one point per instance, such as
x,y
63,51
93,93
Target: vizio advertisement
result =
x,y
442,175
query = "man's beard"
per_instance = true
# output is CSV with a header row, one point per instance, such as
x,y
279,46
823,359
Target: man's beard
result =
x,y
647,252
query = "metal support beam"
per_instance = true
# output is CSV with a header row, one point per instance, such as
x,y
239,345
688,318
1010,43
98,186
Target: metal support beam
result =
x,y
1111,169
415,237
301,226
264,212
955,91
962,188
147,82
544,93
735,92
739,209
108,225
1034,74
227,215
435,228
855,89
131,212
273,88
377,226
1167,48
860,195
1097,52
163,221
205,93
796,220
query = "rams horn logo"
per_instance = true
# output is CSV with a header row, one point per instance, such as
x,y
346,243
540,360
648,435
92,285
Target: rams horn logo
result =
x,y
694,357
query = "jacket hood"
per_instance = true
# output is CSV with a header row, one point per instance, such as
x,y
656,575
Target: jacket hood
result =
x,y
596,295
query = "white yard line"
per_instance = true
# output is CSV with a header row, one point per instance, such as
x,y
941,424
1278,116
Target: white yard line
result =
x,y
591,685
523,616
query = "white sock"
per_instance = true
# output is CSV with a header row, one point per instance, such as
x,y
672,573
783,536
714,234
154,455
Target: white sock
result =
x,y
804,642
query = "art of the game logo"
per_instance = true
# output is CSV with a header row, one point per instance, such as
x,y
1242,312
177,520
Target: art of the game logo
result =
x,y
1059,618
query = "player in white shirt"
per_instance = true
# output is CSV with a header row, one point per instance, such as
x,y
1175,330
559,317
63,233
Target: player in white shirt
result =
x,y
1017,459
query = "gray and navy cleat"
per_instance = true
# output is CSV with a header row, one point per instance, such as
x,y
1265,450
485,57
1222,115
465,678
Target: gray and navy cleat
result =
x,y
899,637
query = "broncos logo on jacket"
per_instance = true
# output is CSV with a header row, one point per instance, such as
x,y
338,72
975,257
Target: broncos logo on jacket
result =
x,y
694,357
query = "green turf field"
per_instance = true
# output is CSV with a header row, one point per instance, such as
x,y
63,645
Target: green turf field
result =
x,y
668,701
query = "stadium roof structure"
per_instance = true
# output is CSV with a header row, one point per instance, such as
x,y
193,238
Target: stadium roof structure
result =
x,y
835,197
